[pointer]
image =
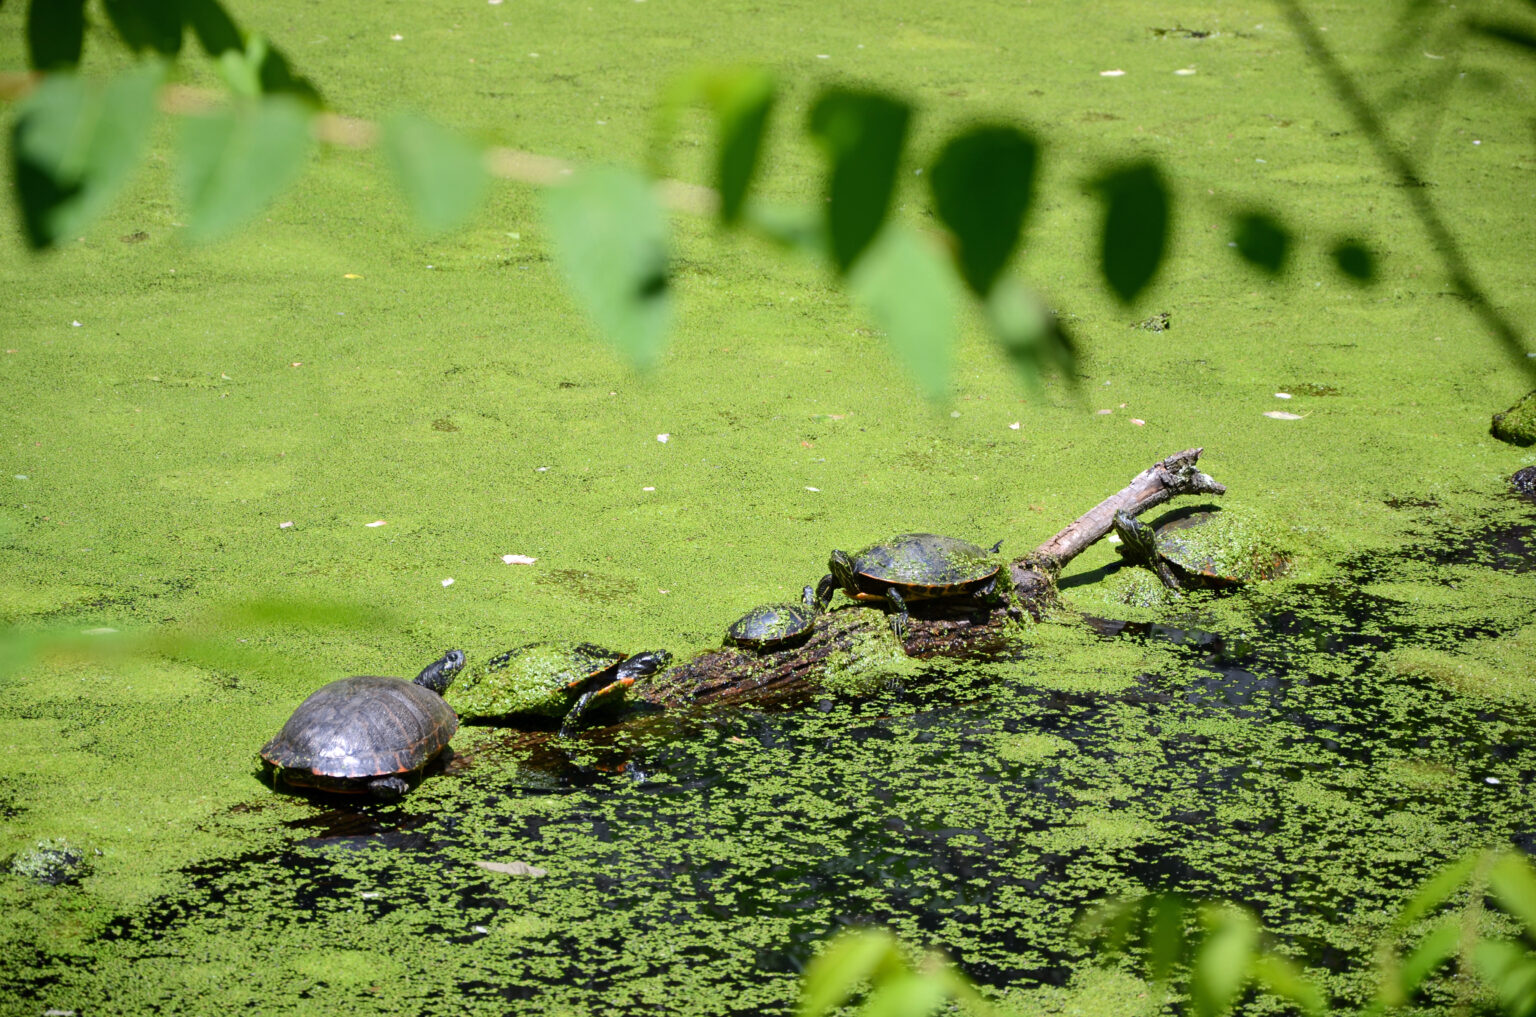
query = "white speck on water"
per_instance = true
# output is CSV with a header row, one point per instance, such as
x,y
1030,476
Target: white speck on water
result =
x,y
447,582
1282,415
1184,72
1013,426
1113,538
370,894
1433,56
1477,142
480,928
541,469
1261,160
1106,382
954,413
397,37
534,55
376,522
1282,395
823,56
518,559
1112,74
917,172
21,476
1102,413
431,266
1138,422
75,324
101,631
647,489
285,526
515,236
815,489
1490,780
602,123
663,438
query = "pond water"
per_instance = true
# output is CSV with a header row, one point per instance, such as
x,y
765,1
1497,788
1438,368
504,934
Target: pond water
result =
x,y
693,864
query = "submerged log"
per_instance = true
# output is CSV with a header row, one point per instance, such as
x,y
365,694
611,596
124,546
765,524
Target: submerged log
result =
x,y
937,627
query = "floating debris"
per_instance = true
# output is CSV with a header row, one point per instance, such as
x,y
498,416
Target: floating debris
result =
x,y
1282,415
514,868
518,559
376,522
285,526
1112,74
447,582
1282,395
663,438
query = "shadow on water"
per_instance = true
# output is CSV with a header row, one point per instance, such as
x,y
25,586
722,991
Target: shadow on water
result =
x,y
1272,765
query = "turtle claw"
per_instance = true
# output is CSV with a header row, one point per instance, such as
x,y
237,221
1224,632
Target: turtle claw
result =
x,y
388,788
899,618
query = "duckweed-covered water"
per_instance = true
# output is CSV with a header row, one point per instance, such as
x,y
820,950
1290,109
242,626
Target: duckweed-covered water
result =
x,y
691,865
200,445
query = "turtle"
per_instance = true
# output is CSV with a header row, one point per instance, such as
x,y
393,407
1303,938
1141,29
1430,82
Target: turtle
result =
x,y
913,566
553,680
1172,552
367,734
774,626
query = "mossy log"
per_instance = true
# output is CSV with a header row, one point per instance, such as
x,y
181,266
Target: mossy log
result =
x,y
937,627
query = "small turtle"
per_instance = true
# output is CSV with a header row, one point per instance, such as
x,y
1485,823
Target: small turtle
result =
x,y
554,680
775,626
1171,551
913,566
367,734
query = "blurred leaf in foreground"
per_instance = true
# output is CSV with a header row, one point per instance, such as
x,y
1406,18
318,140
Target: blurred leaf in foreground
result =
x,y
863,134
441,173
610,238
1137,209
913,295
1261,241
234,163
982,184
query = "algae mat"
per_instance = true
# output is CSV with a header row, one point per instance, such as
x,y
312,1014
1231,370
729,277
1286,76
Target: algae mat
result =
x,y
331,370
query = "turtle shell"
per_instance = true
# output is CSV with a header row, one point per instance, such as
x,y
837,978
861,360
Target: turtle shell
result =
x,y
771,626
1178,544
926,564
359,728
540,678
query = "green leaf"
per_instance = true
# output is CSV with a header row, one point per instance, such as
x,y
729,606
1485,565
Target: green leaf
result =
x,y
1030,335
906,994
792,227
611,241
1355,260
1441,887
1284,979
913,295
863,134
1137,208
1505,31
441,172
1514,884
850,960
1438,945
233,164
741,99
147,24
1261,241
55,33
1222,963
1510,971
277,78
216,31
1164,936
982,184
75,148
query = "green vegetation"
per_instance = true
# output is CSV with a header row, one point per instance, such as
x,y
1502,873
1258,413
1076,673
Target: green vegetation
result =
x,y
225,423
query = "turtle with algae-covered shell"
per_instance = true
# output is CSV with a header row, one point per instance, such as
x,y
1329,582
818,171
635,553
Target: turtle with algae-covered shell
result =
x,y
913,566
770,627
1195,550
557,681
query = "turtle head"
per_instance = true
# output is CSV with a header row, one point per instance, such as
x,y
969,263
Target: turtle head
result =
x,y
1138,542
438,675
841,567
809,599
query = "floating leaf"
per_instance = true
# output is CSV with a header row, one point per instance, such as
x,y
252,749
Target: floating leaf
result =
x,y
1282,415
441,172
982,184
233,164
75,148
863,134
55,33
514,868
610,240
1262,241
913,295
1136,213
147,24
1355,260
850,960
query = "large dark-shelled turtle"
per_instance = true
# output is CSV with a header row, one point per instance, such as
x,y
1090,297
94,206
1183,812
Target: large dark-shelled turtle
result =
x,y
367,734
913,566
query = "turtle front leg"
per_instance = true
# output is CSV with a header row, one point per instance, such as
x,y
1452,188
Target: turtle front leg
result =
x,y
387,789
899,618
825,590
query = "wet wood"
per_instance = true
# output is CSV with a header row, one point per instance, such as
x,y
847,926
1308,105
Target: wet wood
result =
x,y
937,628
